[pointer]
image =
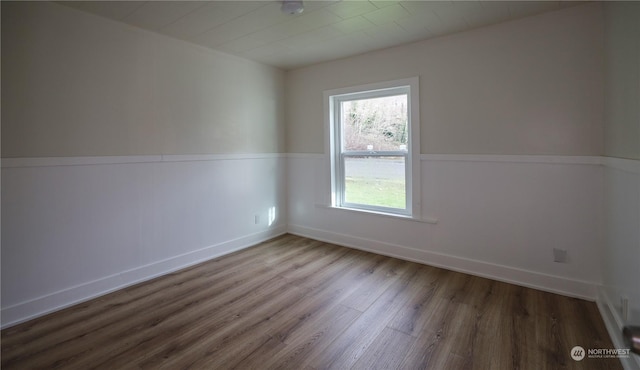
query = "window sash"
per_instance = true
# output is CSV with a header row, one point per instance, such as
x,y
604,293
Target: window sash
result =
x,y
379,153
341,184
336,155
342,154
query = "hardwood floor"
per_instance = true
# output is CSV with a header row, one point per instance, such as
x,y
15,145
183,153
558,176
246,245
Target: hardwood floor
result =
x,y
296,303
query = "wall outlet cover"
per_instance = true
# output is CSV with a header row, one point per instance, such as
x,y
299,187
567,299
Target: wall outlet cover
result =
x,y
559,255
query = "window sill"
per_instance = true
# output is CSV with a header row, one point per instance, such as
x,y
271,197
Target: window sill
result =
x,y
431,221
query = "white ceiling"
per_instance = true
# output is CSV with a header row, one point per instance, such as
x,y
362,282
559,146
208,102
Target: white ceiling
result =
x,y
326,30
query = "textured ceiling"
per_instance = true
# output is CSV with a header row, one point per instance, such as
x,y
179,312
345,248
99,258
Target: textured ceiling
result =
x,y
326,30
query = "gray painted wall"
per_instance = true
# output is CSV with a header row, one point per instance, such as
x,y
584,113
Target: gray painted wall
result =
x,y
622,85
74,84
529,86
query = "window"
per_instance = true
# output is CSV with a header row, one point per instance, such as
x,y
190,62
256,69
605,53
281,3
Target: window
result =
x,y
374,147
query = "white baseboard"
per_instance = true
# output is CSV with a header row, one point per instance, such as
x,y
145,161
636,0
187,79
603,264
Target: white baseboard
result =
x,y
614,325
68,297
554,284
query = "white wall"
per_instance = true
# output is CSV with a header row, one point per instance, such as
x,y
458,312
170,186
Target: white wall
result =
x,y
108,176
497,216
74,228
621,259
511,136
622,253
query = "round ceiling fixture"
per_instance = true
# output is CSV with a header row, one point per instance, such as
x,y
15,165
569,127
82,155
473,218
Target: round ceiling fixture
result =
x,y
292,6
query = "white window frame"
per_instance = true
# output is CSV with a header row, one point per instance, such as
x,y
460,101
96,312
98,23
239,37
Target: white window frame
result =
x,y
335,158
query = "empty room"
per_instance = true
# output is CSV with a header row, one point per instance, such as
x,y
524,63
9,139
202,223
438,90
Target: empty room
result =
x,y
320,185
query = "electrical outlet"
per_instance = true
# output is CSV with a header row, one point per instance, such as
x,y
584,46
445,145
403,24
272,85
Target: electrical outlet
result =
x,y
256,219
559,255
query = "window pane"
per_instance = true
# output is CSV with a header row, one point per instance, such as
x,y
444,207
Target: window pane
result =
x,y
376,124
375,181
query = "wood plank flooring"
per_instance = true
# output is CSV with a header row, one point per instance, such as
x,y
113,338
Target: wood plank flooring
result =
x,y
296,303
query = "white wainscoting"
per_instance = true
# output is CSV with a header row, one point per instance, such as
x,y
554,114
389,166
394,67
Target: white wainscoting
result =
x,y
77,228
621,259
492,216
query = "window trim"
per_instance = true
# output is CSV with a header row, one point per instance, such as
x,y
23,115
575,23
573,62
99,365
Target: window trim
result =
x,y
334,157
